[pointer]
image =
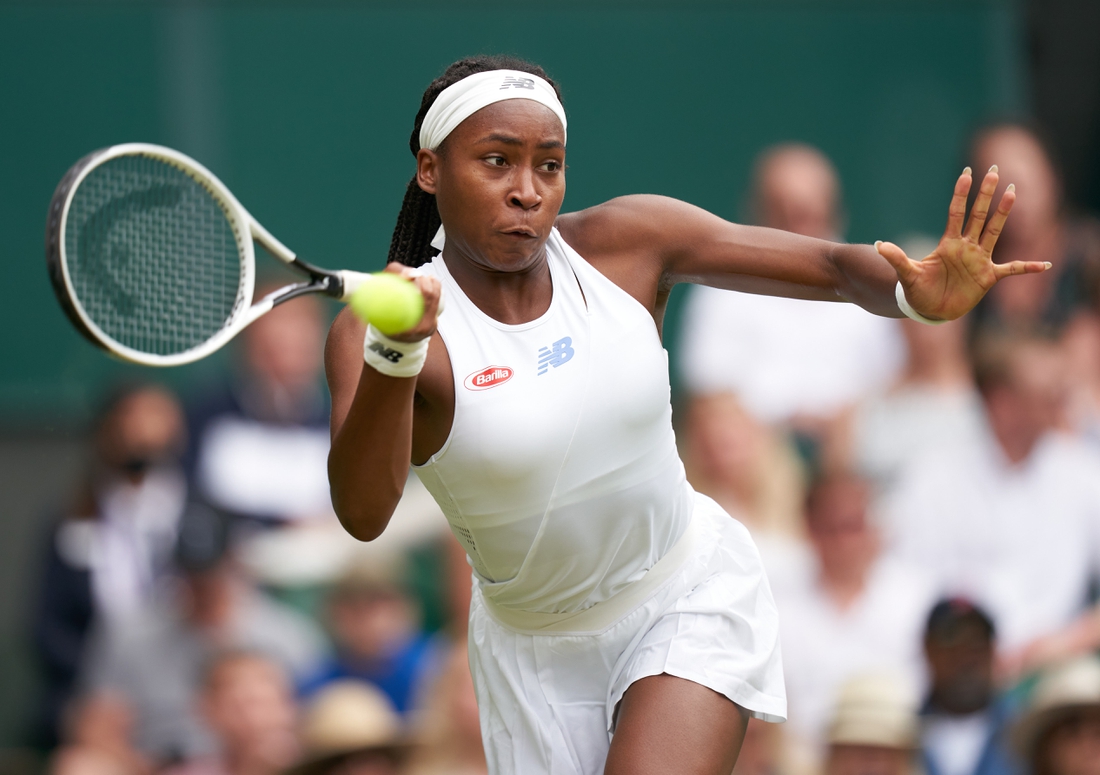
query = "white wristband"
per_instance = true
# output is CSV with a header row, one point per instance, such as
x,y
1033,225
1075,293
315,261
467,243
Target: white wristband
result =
x,y
903,305
394,359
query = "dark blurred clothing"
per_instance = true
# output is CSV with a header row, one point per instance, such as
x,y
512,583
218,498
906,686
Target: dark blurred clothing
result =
x,y
100,568
400,676
271,471
981,737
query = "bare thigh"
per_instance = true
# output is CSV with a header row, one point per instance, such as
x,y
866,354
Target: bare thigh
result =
x,y
672,725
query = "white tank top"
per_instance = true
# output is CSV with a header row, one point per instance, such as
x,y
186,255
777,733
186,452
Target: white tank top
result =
x,y
560,476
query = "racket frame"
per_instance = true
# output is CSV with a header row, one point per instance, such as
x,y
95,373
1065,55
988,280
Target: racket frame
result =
x,y
338,284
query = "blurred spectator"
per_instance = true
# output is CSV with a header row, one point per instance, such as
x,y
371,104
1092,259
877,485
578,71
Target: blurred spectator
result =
x,y
1081,344
874,728
106,556
964,723
375,624
449,726
754,475
858,612
1039,229
153,661
1011,520
789,362
1060,734
351,728
932,405
247,703
261,441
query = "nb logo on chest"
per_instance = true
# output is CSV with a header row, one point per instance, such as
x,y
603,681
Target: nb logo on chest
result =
x,y
557,354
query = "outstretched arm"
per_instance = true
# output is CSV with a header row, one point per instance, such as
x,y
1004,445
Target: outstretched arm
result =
x,y
683,243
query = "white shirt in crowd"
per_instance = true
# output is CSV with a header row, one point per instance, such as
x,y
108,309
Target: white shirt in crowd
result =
x,y
785,357
890,430
824,646
1022,540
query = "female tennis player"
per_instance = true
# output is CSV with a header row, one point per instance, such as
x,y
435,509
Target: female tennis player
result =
x,y
620,622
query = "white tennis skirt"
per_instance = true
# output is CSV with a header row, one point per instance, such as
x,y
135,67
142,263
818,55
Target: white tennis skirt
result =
x,y
547,689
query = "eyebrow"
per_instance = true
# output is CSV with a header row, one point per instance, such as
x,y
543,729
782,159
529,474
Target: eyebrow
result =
x,y
509,140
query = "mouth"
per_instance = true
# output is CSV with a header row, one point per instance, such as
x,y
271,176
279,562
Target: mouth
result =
x,y
520,232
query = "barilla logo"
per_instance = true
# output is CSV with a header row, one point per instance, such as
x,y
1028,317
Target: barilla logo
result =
x,y
490,377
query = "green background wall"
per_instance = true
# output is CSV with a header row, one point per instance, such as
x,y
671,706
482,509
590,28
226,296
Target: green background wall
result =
x,y
304,110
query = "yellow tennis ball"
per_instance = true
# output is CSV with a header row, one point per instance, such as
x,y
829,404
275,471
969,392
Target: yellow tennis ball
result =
x,y
389,302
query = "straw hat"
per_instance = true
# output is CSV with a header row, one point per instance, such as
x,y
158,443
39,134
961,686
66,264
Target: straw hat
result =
x,y
347,718
875,709
1060,693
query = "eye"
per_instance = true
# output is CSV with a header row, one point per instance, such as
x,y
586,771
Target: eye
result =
x,y
496,161
551,166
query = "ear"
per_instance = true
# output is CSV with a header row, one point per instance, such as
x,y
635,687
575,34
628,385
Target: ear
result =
x,y
427,170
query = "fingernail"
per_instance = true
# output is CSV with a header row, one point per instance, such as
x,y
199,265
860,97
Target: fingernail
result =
x,y
1047,264
993,168
1011,187
877,243
966,171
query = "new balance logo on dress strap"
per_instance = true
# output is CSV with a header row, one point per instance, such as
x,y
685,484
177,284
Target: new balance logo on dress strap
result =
x,y
511,82
556,355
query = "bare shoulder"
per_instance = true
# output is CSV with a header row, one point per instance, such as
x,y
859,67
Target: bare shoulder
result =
x,y
632,224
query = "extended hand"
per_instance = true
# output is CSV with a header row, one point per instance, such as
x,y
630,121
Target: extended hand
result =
x,y
949,282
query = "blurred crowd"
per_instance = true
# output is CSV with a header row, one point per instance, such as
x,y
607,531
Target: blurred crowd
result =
x,y
926,501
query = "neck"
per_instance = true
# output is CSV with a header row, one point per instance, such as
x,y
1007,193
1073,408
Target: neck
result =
x,y
845,585
509,297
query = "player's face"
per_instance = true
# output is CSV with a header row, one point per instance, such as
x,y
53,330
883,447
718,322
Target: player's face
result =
x,y
499,182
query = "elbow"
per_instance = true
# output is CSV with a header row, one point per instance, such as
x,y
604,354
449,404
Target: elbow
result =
x,y
362,524
365,514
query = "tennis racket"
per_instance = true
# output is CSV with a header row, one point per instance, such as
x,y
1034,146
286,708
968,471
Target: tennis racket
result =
x,y
153,259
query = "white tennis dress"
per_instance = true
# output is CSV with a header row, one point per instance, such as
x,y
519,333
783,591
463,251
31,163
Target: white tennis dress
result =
x,y
595,563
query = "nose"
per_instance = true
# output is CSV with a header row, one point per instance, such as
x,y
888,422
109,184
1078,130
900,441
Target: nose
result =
x,y
524,194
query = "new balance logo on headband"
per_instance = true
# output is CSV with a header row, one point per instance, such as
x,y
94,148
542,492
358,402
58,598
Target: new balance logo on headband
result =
x,y
517,83
556,355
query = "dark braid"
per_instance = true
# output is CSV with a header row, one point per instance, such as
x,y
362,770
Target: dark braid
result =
x,y
418,220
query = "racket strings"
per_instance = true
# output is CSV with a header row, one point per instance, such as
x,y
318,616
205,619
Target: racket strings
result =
x,y
153,259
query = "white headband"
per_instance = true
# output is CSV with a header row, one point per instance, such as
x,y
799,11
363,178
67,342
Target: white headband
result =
x,y
461,100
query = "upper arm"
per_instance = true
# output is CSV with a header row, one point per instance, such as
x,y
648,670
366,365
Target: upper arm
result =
x,y
664,241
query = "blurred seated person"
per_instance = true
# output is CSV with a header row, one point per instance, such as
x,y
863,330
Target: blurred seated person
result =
x,y
97,732
789,362
375,624
1060,734
113,544
449,729
964,722
1080,342
1040,229
873,729
350,728
932,405
858,611
247,704
1011,519
153,661
751,472
260,441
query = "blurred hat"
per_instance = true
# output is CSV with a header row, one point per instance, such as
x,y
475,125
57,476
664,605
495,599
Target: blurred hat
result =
x,y
378,574
875,709
203,538
1061,692
349,718
949,614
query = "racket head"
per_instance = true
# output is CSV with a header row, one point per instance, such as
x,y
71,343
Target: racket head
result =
x,y
150,255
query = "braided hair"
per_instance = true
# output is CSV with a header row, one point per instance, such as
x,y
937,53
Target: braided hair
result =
x,y
418,220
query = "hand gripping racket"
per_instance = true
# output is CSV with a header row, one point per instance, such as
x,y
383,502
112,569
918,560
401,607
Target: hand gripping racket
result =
x,y
152,258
